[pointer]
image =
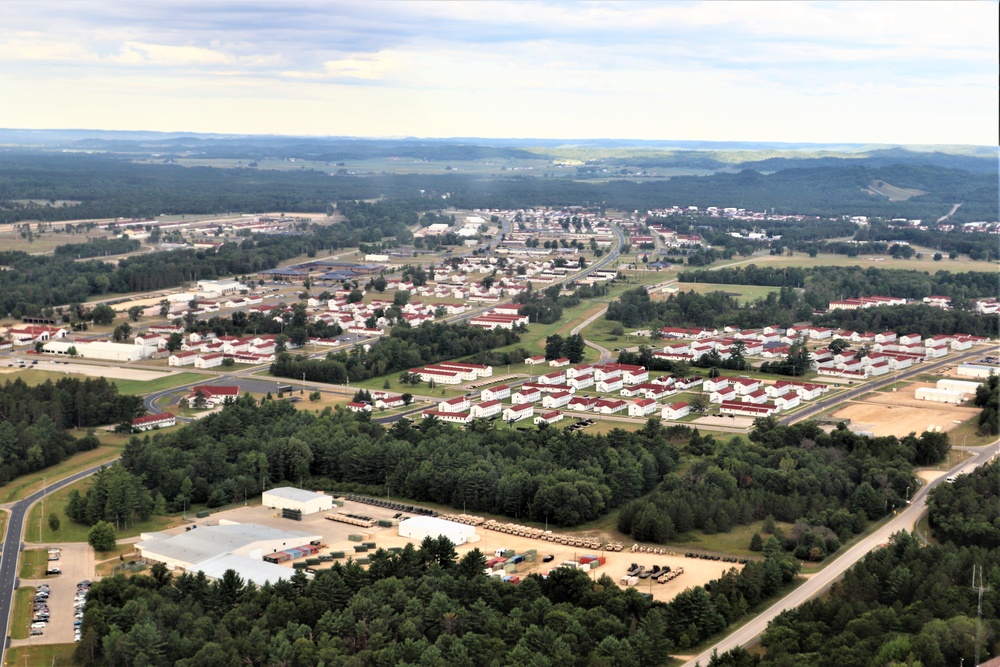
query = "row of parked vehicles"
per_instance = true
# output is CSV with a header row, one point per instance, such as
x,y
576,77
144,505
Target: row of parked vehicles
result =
x,y
658,574
82,588
40,619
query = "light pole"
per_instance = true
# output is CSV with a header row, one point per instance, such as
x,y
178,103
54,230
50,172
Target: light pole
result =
x,y
45,483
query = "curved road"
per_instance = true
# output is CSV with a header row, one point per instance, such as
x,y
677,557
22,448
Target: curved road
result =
x,y
12,545
822,580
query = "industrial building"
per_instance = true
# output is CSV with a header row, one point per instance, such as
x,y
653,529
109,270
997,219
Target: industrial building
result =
x,y
290,498
939,395
228,546
963,386
976,371
419,527
103,350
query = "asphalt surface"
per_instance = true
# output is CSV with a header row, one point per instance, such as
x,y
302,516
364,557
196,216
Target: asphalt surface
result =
x,y
12,546
822,580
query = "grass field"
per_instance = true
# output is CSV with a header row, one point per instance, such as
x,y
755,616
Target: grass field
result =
x,y
47,242
52,655
74,532
741,292
34,563
166,382
24,606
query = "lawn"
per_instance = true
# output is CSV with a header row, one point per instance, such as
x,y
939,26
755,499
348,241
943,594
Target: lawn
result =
x,y
159,384
966,435
55,655
741,292
74,532
24,607
34,563
735,543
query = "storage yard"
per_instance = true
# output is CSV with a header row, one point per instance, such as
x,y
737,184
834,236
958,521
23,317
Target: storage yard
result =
x,y
358,541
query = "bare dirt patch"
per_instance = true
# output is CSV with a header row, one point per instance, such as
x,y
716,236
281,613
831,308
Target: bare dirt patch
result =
x,y
96,371
883,418
732,422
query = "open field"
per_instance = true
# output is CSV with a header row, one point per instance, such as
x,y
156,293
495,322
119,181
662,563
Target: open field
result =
x,y
47,242
893,192
866,261
741,292
54,655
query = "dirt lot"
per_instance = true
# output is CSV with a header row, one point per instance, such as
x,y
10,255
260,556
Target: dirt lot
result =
x,y
887,416
733,422
95,371
905,396
335,537
77,563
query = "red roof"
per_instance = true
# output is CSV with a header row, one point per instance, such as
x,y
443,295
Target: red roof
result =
x,y
152,419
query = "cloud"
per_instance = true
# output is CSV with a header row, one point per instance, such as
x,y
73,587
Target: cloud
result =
x,y
525,68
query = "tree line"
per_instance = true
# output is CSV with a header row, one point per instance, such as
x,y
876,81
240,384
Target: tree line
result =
x,y
404,348
98,247
830,283
34,420
635,308
422,606
541,475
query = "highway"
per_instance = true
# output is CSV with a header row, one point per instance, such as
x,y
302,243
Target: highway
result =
x,y
12,546
821,581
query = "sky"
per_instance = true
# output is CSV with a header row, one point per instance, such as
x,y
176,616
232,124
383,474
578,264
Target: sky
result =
x,y
826,72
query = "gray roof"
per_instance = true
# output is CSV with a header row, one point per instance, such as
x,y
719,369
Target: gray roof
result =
x,y
258,571
200,544
299,495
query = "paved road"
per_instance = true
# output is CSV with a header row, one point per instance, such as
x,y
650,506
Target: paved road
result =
x,y
12,546
822,580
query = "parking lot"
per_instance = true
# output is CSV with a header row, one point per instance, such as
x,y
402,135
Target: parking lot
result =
x,y
77,563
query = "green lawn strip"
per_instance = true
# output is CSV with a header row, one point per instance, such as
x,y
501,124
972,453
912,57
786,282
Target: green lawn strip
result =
x,y
34,563
966,434
56,655
24,607
74,532
27,484
159,384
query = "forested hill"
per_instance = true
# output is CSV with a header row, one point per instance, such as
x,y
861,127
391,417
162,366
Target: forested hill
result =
x,y
110,186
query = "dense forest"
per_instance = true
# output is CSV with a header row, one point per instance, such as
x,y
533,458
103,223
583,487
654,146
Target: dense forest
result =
x,y
967,513
404,348
423,606
97,247
550,474
829,485
907,603
34,420
109,186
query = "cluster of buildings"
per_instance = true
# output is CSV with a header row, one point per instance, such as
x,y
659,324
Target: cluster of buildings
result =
x,y
886,352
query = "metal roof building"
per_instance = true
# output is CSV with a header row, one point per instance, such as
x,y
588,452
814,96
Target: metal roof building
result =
x,y
287,497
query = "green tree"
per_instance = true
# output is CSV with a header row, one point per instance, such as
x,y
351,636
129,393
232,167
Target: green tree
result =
x,y
54,522
102,537
102,314
135,312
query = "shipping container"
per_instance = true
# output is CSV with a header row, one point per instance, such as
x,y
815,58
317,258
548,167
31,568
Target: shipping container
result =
x,y
362,561
336,554
355,538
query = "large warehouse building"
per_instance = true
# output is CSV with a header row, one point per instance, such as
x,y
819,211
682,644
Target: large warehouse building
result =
x,y
103,350
228,546
419,527
290,498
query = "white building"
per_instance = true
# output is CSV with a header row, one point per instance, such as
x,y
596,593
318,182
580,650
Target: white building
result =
x,y
974,371
939,395
209,360
642,407
676,411
417,528
519,412
103,350
287,497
